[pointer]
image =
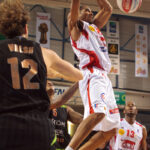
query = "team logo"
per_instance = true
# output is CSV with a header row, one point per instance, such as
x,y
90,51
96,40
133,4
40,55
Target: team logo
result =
x,y
92,28
95,105
121,131
103,96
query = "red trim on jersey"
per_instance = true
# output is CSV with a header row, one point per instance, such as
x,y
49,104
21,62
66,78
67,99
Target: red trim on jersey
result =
x,y
121,119
98,31
142,133
141,140
85,33
102,38
114,141
94,61
139,124
110,148
114,111
89,99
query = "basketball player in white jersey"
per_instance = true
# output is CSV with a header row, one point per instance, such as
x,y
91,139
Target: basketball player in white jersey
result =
x,y
131,134
101,113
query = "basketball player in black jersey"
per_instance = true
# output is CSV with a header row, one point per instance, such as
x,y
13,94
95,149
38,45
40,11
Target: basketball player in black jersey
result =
x,y
59,117
62,114
24,103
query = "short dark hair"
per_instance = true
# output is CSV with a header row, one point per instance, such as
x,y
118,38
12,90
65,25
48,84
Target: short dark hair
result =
x,y
13,18
82,7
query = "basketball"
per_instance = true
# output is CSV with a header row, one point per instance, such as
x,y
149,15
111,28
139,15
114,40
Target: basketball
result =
x,y
129,6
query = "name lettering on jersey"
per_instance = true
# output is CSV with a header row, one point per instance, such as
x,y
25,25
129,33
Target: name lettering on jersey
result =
x,y
58,123
19,49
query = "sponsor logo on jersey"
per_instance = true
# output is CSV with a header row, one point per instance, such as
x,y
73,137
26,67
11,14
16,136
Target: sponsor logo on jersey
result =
x,y
92,28
127,144
58,123
121,131
103,49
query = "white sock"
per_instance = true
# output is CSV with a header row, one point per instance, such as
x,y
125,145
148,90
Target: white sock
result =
x,y
68,148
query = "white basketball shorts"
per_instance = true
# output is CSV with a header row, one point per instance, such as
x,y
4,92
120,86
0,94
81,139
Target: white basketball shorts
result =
x,y
98,97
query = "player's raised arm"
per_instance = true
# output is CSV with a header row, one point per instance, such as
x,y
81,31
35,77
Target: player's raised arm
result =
x,y
73,18
104,14
52,60
74,13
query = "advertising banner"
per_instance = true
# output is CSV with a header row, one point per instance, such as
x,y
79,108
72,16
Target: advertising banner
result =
x,y
43,29
141,51
113,29
114,55
120,97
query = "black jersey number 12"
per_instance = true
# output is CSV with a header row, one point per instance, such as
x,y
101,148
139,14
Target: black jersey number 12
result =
x,y
26,63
